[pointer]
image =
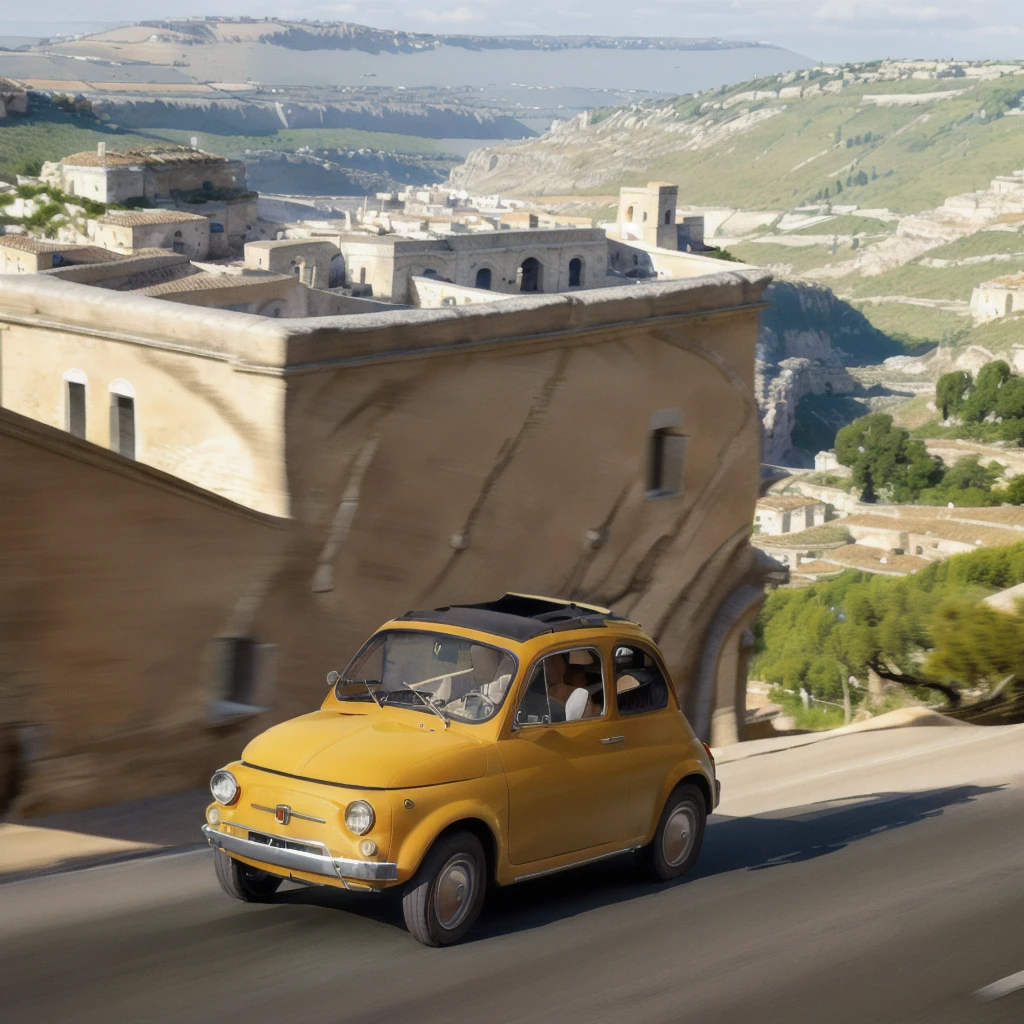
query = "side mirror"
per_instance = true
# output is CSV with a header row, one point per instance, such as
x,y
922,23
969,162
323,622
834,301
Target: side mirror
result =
x,y
332,677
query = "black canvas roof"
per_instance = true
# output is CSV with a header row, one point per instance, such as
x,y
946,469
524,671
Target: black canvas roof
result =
x,y
517,616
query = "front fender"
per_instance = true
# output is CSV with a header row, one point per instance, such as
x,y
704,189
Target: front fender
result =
x,y
436,808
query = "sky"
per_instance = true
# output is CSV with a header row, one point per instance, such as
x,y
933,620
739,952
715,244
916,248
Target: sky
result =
x,y
828,30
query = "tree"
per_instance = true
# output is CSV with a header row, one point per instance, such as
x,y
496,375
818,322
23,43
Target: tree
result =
x,y
1010,400
883,456
983,398
862,178
1014,492
951,391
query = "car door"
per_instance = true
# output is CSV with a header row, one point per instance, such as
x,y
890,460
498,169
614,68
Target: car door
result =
x,y
568,780
651,722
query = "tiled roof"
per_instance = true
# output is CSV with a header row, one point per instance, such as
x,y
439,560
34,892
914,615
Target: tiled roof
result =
x,y
72,252
138,218
203,282
128,157
861,556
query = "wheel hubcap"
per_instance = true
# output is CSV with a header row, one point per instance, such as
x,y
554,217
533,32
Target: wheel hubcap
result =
x,y
677,839
453,894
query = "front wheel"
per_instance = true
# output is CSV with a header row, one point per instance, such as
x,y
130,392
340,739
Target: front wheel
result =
x,y
678,837
444,900
250,885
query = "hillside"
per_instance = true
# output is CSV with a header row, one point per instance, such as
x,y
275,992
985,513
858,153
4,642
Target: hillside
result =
x,y
776,143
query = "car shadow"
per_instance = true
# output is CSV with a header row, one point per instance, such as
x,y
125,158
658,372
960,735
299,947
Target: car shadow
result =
x,y
756,843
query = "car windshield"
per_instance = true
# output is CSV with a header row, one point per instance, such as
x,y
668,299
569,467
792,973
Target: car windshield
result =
x,y
431,673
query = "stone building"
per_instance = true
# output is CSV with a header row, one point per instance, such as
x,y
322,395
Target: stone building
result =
x,y
309,260
13,98
782,513
173,176
547,261
286,485
128,231
1000,297
275,295
649,214
20,254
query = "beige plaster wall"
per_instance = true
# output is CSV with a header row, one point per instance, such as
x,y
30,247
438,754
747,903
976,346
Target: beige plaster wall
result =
x,y
199,412
115,581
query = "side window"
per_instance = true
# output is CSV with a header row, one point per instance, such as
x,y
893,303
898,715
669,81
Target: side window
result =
x,y
564,687
639,683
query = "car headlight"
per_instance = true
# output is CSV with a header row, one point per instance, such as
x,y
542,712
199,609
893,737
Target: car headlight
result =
x,y
224,787
359,817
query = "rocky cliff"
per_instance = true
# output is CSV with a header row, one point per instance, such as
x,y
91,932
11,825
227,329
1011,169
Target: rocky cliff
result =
x,y
808,338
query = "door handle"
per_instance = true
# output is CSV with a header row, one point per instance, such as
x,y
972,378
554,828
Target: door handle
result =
x,y
612,739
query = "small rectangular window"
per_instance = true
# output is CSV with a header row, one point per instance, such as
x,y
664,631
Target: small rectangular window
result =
x,y
122,425
666,456
243,669
640,685
564,687
75,408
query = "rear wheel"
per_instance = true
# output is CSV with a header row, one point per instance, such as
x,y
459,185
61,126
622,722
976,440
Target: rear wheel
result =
x,y
679,835
242,881
444,900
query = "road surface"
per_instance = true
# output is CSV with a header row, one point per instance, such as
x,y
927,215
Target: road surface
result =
x,y
869,878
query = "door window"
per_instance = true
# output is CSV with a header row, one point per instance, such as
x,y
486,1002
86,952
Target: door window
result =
x,y
564,687
640,685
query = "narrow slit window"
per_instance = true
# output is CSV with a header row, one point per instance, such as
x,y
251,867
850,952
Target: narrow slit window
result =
x,y
122,425
666,458
75,396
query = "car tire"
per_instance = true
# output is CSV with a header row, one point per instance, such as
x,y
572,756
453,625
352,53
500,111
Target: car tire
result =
x,y
444,899
678,837
245,883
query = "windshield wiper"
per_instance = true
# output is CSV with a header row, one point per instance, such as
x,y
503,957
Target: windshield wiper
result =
x,y
430,704
366,683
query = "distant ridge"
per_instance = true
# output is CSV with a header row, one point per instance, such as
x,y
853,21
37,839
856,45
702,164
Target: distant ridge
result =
x,y
327,35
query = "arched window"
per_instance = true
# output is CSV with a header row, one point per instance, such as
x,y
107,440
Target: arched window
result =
x,y
362,275
178,244
530,275
430,272
575,272
75,382
483,277
122,418
645,216
629,213
668,216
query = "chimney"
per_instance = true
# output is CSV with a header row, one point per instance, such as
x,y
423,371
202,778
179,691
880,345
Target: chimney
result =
x,y
101,150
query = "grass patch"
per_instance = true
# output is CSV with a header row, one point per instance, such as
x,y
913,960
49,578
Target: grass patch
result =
x,y
816,717
982,243
291,139
47,133
915,413
1000,335
918,282
794,259
826,533
847,224
913,326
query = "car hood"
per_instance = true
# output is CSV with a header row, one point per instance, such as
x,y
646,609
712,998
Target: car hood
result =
x,y
388,749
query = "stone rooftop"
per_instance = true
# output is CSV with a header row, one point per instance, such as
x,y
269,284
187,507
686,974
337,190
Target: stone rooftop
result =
x,y
138,218
786,502
169,156
204,282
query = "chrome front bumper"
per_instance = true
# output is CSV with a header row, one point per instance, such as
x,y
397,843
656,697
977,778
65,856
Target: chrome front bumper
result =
x,y
314,858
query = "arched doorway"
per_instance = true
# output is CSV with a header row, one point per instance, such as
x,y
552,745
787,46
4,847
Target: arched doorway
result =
x,y
483,278
575,272
530,275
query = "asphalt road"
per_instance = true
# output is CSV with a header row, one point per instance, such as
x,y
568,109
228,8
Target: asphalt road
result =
x,y
870,878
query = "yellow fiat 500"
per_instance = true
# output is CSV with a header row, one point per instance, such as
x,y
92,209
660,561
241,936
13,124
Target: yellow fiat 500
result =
x,y
466,747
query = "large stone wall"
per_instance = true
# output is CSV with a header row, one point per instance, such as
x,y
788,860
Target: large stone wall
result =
x,y
422,457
